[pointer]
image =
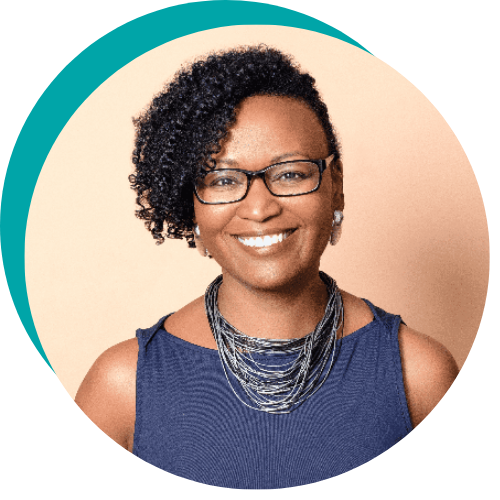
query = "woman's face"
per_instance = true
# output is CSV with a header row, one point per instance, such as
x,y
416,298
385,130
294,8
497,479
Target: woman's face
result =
x,y
269,130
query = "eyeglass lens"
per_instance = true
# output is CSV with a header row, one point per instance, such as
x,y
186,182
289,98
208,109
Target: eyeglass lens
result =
x,y
284,179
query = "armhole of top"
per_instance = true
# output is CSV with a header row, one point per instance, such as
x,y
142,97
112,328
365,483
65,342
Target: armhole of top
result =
x,y
138,391
391,323
143,339
400,387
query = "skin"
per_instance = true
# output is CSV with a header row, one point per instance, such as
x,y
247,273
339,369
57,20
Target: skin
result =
x,y
274,292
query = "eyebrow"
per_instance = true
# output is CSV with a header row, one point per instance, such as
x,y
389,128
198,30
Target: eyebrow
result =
x,y
275,159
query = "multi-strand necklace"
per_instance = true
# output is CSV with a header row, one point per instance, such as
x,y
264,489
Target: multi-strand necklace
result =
x,y
302,364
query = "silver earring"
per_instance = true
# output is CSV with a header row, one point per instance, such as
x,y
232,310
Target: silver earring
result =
x,y
199,243
338,217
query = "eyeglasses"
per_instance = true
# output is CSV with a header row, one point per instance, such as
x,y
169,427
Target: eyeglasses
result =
x,y
289,178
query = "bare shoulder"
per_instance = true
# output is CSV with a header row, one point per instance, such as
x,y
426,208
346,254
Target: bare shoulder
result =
x,y
428,371
191,324
357,313
107,394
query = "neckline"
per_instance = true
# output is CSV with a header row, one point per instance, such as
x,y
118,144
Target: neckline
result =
x,y
214,352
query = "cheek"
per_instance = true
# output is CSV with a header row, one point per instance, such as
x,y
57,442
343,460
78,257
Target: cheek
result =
x,y
212,219
316,217
321,209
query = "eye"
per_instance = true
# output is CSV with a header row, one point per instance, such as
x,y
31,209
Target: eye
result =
x,y
291,176
223,180
292,172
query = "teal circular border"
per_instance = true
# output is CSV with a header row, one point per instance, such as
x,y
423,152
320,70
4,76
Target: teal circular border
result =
x,y
79,79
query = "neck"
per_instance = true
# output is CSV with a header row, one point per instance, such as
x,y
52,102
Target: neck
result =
x,y
291,311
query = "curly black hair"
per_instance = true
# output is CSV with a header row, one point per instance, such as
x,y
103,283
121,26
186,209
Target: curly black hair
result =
x,y
186,123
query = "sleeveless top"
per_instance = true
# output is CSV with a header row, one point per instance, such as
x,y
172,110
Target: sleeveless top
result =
x,y
190,423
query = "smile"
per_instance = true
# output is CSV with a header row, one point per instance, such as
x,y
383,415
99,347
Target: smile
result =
x,y
265,241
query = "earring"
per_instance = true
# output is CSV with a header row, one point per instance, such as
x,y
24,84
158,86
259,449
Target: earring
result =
x,y
338,217
199,243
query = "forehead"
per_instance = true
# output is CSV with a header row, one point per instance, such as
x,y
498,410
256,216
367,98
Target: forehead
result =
x,y
268,128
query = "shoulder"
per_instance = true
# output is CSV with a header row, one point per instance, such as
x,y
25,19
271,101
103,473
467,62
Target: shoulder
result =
x,y
428,371
191,324
107,394
357,313
116,365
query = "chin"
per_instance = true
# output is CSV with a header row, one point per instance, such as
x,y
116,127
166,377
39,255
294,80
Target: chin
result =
x,y
272,278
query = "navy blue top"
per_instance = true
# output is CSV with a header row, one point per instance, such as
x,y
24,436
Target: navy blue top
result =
x,y
190,423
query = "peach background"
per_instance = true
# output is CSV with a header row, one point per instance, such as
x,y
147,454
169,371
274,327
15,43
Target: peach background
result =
x,y
414,242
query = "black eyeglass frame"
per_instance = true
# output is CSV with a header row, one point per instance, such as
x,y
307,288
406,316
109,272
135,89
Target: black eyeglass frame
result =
x,y
321,164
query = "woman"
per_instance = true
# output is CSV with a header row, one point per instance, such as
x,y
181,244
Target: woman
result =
x,y
275,377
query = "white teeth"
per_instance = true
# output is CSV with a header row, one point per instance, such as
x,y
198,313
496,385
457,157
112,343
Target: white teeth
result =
x,y
266,241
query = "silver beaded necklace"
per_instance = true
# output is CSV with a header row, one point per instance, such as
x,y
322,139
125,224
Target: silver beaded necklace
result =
x,y
305,362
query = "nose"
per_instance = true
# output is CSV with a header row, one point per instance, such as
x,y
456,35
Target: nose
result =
x,y
259,204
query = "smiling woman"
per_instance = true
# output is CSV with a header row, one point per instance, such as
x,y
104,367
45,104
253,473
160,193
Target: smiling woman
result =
x,y
268,130
275,377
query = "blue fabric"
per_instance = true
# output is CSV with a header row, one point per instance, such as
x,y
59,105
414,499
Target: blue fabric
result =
x,y
190,423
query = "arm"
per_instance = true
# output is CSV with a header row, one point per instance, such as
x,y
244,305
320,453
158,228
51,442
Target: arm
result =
x,y
107,394
428,372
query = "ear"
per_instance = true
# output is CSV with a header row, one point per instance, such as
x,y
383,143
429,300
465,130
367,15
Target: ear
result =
x,y
198,241
337,175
